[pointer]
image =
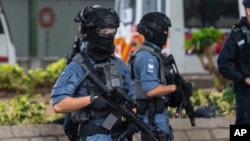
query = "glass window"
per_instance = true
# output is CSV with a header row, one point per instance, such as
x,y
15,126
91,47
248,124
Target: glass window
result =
x,y
217,13
149,6
125,9
163,6
1,27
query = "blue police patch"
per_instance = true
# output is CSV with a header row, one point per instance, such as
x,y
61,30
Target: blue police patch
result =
x,y
150,66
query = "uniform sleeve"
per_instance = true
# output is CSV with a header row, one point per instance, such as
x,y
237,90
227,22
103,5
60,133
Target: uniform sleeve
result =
x,y
146,68
66,83
227,58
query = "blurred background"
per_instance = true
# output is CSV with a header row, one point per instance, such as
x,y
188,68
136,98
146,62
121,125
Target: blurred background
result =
x,y
42,31
37,34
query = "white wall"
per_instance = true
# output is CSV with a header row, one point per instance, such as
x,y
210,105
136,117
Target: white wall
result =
x,y
186,64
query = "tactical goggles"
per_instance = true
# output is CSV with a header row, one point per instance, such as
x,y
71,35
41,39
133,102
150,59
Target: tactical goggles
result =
x,y
106,31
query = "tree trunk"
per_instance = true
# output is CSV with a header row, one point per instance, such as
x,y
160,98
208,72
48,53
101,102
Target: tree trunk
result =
x,y
210,66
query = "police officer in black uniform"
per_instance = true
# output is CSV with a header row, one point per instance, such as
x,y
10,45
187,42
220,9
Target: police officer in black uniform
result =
x,y
234,64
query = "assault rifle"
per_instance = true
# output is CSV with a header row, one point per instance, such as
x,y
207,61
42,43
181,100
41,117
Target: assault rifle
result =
x,y
181,98
118,100
77,47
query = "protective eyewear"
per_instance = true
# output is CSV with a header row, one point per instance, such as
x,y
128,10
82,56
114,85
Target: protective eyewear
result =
x,y
106,31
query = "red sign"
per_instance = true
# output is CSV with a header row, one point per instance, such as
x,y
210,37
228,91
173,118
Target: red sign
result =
x,y
46,17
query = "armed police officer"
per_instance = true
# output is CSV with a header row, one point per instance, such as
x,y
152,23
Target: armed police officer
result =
x,y
234,64
150,84
75,92
80,41
79,45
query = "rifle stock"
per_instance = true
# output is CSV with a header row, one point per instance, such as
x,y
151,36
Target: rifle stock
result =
x,y
184,91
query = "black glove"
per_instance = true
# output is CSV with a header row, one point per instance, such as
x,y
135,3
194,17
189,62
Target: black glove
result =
x,y
177,90
175,98
119,94
99,103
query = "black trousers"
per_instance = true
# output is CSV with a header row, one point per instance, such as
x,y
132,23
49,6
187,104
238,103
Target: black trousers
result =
x,y
242,106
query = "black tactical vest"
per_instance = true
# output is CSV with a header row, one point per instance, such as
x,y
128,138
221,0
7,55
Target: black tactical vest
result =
x,y
137,83
109,75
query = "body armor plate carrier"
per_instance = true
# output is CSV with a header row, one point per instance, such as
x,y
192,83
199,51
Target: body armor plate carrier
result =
x,y
108,73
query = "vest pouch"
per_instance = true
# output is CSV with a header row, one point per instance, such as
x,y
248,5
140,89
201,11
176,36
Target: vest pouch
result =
x,y
80,116
159,105
139,92
71,130
100,113
142,106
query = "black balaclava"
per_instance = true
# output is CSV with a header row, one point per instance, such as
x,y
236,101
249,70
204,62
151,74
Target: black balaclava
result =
x,y
100,46
159,38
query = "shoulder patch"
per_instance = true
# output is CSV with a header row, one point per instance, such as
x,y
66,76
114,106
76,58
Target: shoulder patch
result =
x,y
150,68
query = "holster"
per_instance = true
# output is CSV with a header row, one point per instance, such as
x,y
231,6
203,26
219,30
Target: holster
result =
x,y
142,106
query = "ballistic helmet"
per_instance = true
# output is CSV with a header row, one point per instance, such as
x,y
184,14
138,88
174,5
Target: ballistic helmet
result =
x,y
96,16
78,17
246,3
153,26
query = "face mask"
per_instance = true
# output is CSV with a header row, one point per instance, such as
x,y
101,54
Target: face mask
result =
x,y
101,45
162,39
159,39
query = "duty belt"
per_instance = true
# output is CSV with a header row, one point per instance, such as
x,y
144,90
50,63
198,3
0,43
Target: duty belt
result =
x,y
88,129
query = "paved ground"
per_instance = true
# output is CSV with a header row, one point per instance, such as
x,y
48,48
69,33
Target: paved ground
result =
x,y
206,129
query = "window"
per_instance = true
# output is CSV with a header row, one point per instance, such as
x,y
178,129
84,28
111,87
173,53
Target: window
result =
x,y
149,6
217,13
1,27
163,6
126,11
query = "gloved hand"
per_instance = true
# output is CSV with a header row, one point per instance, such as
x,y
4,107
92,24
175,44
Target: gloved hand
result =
x,y
174,98
99,103
119,94
177,90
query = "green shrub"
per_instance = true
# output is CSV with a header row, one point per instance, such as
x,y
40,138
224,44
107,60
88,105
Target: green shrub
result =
x,y
46,77
22,110
202,38
53,70
13,78
3,113
223,102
